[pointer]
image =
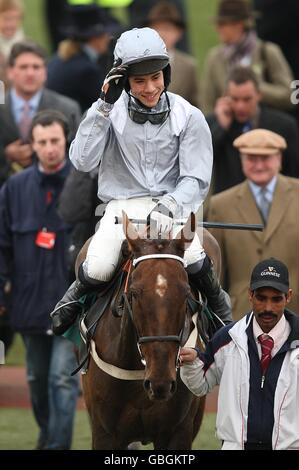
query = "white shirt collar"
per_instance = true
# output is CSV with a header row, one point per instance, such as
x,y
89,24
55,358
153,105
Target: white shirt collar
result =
x,y
270,187
18,102
279,334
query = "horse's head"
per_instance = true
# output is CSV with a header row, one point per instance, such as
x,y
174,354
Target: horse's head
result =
x,y
158,291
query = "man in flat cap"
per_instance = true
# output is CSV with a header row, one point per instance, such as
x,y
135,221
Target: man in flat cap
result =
x,y
265,197
257,409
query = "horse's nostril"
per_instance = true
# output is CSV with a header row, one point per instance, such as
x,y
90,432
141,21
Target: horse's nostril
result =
x,y
173,386
147,385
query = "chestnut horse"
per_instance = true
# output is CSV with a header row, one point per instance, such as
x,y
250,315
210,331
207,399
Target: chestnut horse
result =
x,y
156,407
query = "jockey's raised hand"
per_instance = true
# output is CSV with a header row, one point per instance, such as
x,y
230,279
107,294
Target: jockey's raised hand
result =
x,y
114,83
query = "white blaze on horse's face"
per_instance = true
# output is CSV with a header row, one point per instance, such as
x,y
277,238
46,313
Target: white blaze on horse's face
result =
x,y
161,285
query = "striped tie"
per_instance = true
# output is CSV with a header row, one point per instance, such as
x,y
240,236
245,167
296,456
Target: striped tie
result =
x,y
25,122
264,204
267,344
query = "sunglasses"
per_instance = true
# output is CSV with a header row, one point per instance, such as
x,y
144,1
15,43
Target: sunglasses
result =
x,y
140,117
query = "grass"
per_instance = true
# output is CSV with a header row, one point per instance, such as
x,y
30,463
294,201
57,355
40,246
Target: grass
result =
x,y
16,354
19,431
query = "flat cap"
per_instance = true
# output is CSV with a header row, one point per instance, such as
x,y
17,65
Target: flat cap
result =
x,y
260,142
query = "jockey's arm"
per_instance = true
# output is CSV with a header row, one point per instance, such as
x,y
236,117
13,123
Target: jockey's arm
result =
x,y
92,135
195,162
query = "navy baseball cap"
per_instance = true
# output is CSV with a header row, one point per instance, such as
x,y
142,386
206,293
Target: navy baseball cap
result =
x,y
270,273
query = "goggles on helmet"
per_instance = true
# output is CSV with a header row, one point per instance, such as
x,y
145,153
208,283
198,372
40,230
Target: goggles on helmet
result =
x,y
140,115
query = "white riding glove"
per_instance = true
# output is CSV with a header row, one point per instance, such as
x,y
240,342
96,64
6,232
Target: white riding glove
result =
x,y
162,215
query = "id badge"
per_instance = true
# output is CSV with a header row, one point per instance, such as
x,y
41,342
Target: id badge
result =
x,y
45,240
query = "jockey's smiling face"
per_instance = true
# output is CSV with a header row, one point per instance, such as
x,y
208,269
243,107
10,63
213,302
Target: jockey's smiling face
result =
x,y
147,88
49,144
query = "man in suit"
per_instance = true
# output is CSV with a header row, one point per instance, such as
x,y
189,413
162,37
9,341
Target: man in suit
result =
x,y
83,58
27,75
238,112
165,18
265,197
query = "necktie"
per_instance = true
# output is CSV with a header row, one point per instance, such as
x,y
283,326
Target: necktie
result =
x,y
267,344
25,122
264,204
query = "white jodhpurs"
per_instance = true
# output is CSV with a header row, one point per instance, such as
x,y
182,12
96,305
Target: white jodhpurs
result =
x,y
104,250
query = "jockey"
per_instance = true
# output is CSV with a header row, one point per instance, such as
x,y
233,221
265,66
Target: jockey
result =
x,y
154,154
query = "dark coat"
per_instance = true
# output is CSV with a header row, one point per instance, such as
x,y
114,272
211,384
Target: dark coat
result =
x,y
39,276
227,170
9,131
78,78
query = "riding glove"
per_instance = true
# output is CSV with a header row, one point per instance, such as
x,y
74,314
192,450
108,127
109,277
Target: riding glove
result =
x,y
115,80
162,217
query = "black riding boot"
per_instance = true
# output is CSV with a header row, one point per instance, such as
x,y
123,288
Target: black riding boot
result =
x,y
207,280
69,307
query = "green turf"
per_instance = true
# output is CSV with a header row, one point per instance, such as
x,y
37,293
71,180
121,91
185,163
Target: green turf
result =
x,y
16,354
34,23
18,431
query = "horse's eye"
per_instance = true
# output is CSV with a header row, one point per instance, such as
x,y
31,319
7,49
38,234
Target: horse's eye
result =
x,y
133,294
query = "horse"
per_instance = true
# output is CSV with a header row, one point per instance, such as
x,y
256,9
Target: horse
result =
x,y
149,403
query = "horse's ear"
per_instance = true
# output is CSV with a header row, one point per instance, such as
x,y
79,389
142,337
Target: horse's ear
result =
x,y
130,231
185,237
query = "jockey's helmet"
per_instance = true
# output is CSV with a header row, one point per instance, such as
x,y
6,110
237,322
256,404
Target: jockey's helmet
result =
x,y
144,52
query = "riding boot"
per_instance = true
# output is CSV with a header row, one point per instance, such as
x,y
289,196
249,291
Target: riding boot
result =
x,y
69,307
206,279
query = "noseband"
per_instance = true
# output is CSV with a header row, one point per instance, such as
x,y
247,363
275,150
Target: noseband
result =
x,y
160,338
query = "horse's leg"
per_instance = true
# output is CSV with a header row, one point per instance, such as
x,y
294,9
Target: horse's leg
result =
x,y
101,440
198,417
182,437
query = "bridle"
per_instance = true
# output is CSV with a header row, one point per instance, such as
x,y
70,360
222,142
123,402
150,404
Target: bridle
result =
x,y
138,374
157,338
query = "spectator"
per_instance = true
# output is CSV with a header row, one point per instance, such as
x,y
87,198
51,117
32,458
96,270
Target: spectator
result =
x,y
33,256
79,211
11,16
55,12
240,46
264,191
167,21
58,12
80,65
139,9
27,74
255,362
277,21
238,112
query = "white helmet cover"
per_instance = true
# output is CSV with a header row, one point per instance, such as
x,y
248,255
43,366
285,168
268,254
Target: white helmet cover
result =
x,y
141,45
